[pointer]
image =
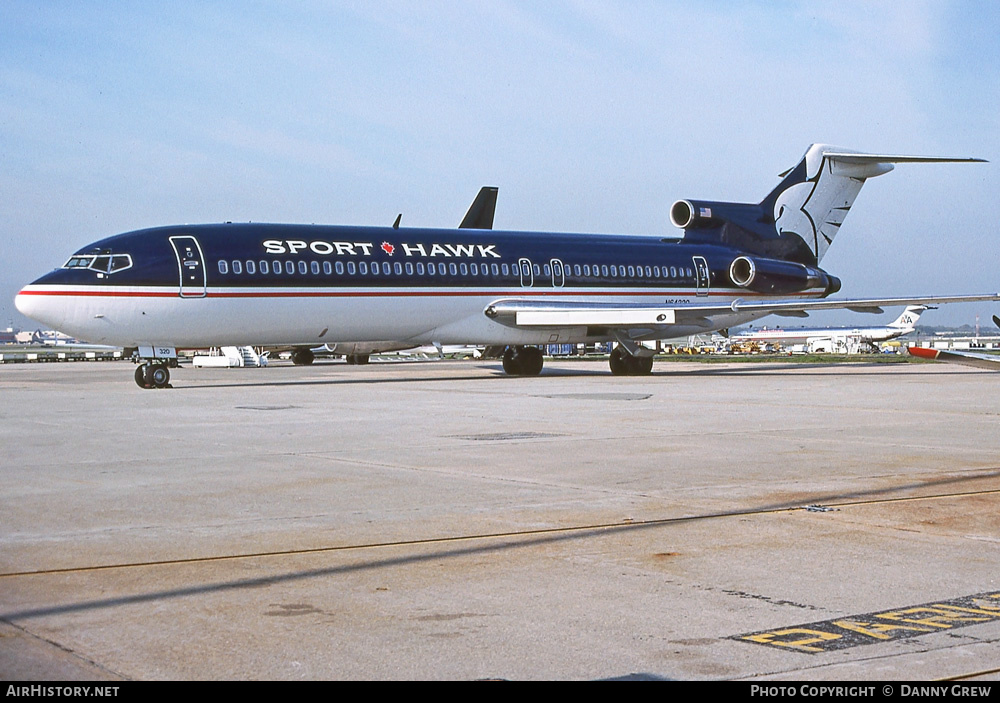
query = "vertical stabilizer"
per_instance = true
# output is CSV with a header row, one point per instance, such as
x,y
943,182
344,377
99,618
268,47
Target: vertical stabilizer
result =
x,y
908,320
480,214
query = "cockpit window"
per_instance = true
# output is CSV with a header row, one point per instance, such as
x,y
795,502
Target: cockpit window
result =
x,y
79,262
103,263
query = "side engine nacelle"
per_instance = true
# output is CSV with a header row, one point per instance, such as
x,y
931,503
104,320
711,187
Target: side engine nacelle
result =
x,y
695,214
776,277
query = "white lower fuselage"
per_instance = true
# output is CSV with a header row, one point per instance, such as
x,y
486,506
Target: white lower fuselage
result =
x,y
312,316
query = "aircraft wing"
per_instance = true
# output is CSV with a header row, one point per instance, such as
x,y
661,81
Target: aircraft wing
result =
x,y
529,313
982,361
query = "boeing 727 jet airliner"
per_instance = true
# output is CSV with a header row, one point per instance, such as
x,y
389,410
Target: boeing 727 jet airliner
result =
x,y
157,290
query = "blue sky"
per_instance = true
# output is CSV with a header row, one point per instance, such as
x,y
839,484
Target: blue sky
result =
x,y
590,117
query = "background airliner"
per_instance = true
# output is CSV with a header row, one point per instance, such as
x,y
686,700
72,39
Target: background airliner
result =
x,y
156,290
904,324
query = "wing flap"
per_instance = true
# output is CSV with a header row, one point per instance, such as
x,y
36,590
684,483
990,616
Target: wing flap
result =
x,y
594,317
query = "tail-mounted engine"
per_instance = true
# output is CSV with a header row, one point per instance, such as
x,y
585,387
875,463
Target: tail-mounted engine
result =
x,y
775,277
696,214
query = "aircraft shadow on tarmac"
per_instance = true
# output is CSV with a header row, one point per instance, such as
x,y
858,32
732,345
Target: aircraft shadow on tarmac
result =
x,y
496,544
483,371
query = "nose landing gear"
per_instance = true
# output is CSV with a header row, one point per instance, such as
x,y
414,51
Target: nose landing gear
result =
x,y
152,375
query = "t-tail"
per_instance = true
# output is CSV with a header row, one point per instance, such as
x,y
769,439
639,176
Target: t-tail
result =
x,y
799,219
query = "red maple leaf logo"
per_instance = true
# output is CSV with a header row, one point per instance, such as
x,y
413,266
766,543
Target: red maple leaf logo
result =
x,y
388,248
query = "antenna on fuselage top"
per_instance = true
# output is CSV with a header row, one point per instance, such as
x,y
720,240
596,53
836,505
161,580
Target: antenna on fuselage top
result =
x,y
395,225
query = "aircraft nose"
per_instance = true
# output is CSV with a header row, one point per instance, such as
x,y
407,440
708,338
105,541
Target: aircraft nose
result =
x,y
41,308
22,301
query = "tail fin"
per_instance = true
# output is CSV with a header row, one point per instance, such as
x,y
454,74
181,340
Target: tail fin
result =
x,y
798,220
908,320
480,214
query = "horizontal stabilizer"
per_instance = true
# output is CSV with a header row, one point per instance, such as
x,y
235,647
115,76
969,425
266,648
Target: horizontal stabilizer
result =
x,y
849,158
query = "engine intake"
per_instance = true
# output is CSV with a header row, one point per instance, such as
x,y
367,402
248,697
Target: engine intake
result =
x,y
776,277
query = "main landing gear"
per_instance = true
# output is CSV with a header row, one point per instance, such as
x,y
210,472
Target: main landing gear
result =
x,y
625,364
303,356
522,361
357,359
527,361
152,375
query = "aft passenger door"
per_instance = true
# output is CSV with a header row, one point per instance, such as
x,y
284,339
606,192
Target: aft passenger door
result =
x,y
191,265
701,277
